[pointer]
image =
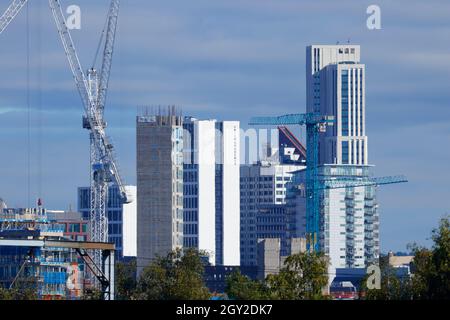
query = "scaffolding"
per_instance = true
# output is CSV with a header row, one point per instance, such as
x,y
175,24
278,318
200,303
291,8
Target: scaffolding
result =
x,y
35,254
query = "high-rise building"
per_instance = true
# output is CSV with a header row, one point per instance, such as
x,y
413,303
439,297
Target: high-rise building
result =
x,y
211,189
159,185
335,86
122,226
349,217
263,190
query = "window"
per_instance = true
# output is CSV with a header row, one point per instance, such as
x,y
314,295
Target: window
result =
x,y
344,102
344,152
74,227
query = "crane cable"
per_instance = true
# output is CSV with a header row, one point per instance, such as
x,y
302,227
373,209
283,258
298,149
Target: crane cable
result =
x,y
100,41
39,106
39,101
28,106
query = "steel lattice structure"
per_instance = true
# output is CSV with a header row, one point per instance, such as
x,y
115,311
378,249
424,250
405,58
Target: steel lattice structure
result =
x,y
315,124
93,90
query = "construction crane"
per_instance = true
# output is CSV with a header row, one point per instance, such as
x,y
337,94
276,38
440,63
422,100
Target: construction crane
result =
x,y
93,90
10,13
315,124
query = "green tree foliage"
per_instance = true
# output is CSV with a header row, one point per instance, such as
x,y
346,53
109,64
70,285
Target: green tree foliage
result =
x,y
125,279
431,278
18,294
178,276
241,287
393,287
430,272
92,294
303,276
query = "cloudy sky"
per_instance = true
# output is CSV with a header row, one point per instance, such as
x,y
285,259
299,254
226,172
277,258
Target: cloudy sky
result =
x,y
230,60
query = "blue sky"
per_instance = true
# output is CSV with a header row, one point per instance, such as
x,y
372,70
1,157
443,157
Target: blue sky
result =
x,y
230,60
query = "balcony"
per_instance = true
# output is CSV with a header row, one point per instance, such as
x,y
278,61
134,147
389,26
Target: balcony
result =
x,y
370,244
350,243
369,236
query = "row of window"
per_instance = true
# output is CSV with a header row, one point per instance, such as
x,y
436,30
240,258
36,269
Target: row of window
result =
x,y
256,179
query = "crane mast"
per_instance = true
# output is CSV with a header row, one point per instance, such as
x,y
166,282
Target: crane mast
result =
x,y
315,125
93,90
10,13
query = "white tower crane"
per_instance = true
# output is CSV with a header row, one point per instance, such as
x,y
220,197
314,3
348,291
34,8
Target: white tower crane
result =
x,y
93,90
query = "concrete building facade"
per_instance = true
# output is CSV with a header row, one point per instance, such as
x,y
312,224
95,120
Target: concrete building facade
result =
x,y
159,186
270,257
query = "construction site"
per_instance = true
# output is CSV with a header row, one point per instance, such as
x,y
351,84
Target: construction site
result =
x,y
33,246
61,256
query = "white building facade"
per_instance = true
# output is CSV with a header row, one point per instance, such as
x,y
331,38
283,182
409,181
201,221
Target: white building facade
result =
x,y
349,217
211,189
336,86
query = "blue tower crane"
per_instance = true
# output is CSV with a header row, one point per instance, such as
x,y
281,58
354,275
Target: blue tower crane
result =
x,y
315,124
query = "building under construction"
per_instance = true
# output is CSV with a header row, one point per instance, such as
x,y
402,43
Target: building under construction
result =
x,y
36,254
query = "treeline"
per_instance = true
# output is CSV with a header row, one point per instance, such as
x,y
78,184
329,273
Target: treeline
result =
x,y
430,279
304,276
180,276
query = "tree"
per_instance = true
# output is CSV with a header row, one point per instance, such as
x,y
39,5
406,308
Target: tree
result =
x,y
303,277
92,294
430,277
241,287
18,294
393,286
440,280
125,279
178,276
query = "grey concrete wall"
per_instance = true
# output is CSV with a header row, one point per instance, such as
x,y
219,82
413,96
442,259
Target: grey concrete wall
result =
x,y
158,225
268,257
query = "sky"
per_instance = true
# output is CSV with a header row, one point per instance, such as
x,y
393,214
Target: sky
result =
x,y
230,60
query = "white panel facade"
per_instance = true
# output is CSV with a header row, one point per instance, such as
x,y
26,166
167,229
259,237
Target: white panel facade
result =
x,y
130,224
205,158
231,193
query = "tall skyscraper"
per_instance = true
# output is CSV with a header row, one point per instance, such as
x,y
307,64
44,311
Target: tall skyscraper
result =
x,y
349,217
211,189
335,86
159,185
